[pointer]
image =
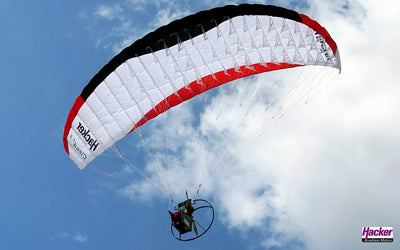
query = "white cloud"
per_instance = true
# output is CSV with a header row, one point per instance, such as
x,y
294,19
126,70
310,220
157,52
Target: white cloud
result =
x,y
80,237
109,12
335,162
127,18
140,5
77,236
167,15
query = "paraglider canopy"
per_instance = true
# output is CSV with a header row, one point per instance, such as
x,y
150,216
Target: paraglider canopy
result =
x,y
186,58
181,60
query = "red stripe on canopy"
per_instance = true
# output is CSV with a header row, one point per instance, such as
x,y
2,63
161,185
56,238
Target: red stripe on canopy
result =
x,y
71,116
206,83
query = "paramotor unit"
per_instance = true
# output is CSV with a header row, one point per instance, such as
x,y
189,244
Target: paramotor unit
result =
x,y
192,219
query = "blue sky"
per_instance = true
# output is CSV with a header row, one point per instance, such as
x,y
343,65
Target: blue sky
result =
x,y
312,177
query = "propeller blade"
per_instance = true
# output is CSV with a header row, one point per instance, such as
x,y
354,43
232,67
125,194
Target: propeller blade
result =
x,y
195,228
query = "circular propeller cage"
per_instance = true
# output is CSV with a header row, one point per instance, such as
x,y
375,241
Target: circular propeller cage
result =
x,y
203,218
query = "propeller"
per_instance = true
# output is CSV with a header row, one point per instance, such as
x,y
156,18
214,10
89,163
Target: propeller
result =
x,y
195,228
